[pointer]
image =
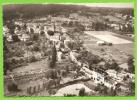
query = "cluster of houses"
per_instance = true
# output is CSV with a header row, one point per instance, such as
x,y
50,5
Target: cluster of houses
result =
x,y
98,78
117,22
54,24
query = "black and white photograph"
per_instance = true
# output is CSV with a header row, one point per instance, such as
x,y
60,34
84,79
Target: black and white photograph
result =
x,y
68,50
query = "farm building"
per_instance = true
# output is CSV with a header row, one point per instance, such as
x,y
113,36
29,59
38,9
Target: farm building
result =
x,y
100,43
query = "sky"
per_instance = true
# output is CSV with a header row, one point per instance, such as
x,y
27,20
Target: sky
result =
x,y
114,5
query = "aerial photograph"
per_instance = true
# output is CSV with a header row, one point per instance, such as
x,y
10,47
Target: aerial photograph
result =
x,y
68,49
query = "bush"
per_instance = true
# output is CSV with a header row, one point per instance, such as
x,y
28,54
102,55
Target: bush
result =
x,y
36,48
15,38
35,37
32,59
51,33
82,92
112,65
13,87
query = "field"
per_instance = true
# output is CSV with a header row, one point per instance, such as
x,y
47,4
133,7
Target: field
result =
x,y
120,50
108,37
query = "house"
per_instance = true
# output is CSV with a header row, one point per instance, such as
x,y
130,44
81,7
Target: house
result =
x,y
112,73
5,30
72,57
110,83
19,22
48,27
115,26
97,77
24,37
74,16
124,66
59,56
9,37
130,35
118,15
123,74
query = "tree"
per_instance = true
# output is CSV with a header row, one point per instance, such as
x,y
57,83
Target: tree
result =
x,y
53,57
42,33
15,38
86,56
24,26
32,59
36,48
31,30
11,26
35,37
130,62
131,88
82,92
112,92
79,28
52,74
112,64
12,86
102,89
51,33
70,24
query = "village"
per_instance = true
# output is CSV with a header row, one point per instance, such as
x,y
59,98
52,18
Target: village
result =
x,y
72,55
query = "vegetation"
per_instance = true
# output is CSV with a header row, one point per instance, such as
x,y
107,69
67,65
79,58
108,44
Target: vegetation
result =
x,y
112,65
18,53
41,10
100,26
13,87
131,88
102,89
53,60
51,33
86,56
130,62
82,92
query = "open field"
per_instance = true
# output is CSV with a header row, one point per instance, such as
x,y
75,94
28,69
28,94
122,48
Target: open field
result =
x,y
119,51
108,37
35,66
126,48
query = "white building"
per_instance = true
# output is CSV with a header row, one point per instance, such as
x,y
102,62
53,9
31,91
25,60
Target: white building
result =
x,y
24,37
112,73
5,30
100,43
